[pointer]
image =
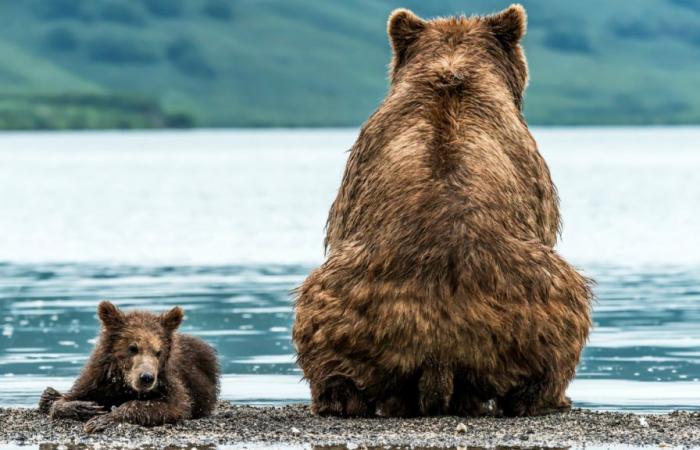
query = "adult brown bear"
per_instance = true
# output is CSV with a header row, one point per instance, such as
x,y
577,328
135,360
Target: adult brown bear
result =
x,y
441,289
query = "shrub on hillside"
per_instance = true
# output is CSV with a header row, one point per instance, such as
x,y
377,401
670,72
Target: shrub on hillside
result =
x,y
689,35
61,39
61,9
218,9
164,8
570,41
87,111
123,12
693,5
634,29
188,58
180,120
120,49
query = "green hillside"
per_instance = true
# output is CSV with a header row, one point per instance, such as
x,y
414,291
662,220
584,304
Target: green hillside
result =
x,y
226,63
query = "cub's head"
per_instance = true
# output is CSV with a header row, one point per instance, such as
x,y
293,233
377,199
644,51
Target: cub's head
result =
x,y
138,343
462,52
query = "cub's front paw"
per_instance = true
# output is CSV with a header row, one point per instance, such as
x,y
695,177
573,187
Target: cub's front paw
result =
x,y
76,410
98,423
48,398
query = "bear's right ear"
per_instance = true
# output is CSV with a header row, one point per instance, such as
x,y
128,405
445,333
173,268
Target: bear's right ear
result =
x,y
403,29
110,315
509,25
172,319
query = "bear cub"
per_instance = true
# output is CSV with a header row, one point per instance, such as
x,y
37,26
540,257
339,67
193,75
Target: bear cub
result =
x,y
141,372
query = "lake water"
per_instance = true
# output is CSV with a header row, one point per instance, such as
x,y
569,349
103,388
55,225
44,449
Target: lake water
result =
x,y
226,223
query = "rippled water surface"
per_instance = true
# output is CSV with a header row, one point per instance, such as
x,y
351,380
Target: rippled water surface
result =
x,y
226,224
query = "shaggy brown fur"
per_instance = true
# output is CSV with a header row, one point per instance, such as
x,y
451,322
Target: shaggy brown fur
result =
x,y
441,290
141,372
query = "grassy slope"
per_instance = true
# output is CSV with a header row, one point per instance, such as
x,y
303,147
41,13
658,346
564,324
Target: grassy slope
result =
x,y
323,62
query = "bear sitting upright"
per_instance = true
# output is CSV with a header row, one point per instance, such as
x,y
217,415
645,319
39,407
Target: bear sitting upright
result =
x,y
142,372
441,292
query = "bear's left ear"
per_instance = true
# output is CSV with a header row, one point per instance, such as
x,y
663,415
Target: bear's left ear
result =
x,y
110,316
509,25
172,319
403,29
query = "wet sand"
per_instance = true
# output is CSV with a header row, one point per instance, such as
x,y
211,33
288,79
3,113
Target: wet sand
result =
x,y
294,425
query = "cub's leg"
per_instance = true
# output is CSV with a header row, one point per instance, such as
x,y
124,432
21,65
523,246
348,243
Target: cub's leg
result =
x,y
339,397
58,406
174,407
146,413
47,399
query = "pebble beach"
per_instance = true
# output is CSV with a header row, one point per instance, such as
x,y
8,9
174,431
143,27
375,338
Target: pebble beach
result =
x,y
293,426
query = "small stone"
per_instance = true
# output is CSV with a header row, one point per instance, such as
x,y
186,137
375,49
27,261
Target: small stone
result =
x,y
296,430
461,428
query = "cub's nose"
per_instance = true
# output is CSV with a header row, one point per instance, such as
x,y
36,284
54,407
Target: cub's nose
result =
x,y
146,378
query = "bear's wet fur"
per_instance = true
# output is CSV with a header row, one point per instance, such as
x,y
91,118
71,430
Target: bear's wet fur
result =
x,y
142,372
441,292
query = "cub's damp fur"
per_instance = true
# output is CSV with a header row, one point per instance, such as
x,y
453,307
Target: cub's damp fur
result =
x,y
142,372
441,292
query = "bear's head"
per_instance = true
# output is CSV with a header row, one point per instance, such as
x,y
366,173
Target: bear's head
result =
x,y
460,51
138,343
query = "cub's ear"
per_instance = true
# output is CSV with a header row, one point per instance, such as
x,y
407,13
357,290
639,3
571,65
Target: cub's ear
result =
x,y
172,319
509,25
403,29
110,315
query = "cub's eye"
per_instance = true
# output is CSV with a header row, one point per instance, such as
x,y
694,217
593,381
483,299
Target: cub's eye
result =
x,y
133,349
158,354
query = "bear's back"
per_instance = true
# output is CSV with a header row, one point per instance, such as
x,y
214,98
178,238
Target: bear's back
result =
x,y
414,185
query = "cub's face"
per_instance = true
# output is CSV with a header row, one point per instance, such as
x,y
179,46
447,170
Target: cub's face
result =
x,y
139,343
478,52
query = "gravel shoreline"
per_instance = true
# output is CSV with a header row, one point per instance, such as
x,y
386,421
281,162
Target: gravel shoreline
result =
x,y
294,424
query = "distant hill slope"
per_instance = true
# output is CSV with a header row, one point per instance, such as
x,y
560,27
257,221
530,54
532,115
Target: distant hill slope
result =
x,y
143,63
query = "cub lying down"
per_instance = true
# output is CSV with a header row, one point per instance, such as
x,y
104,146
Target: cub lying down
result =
x,y
142,372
